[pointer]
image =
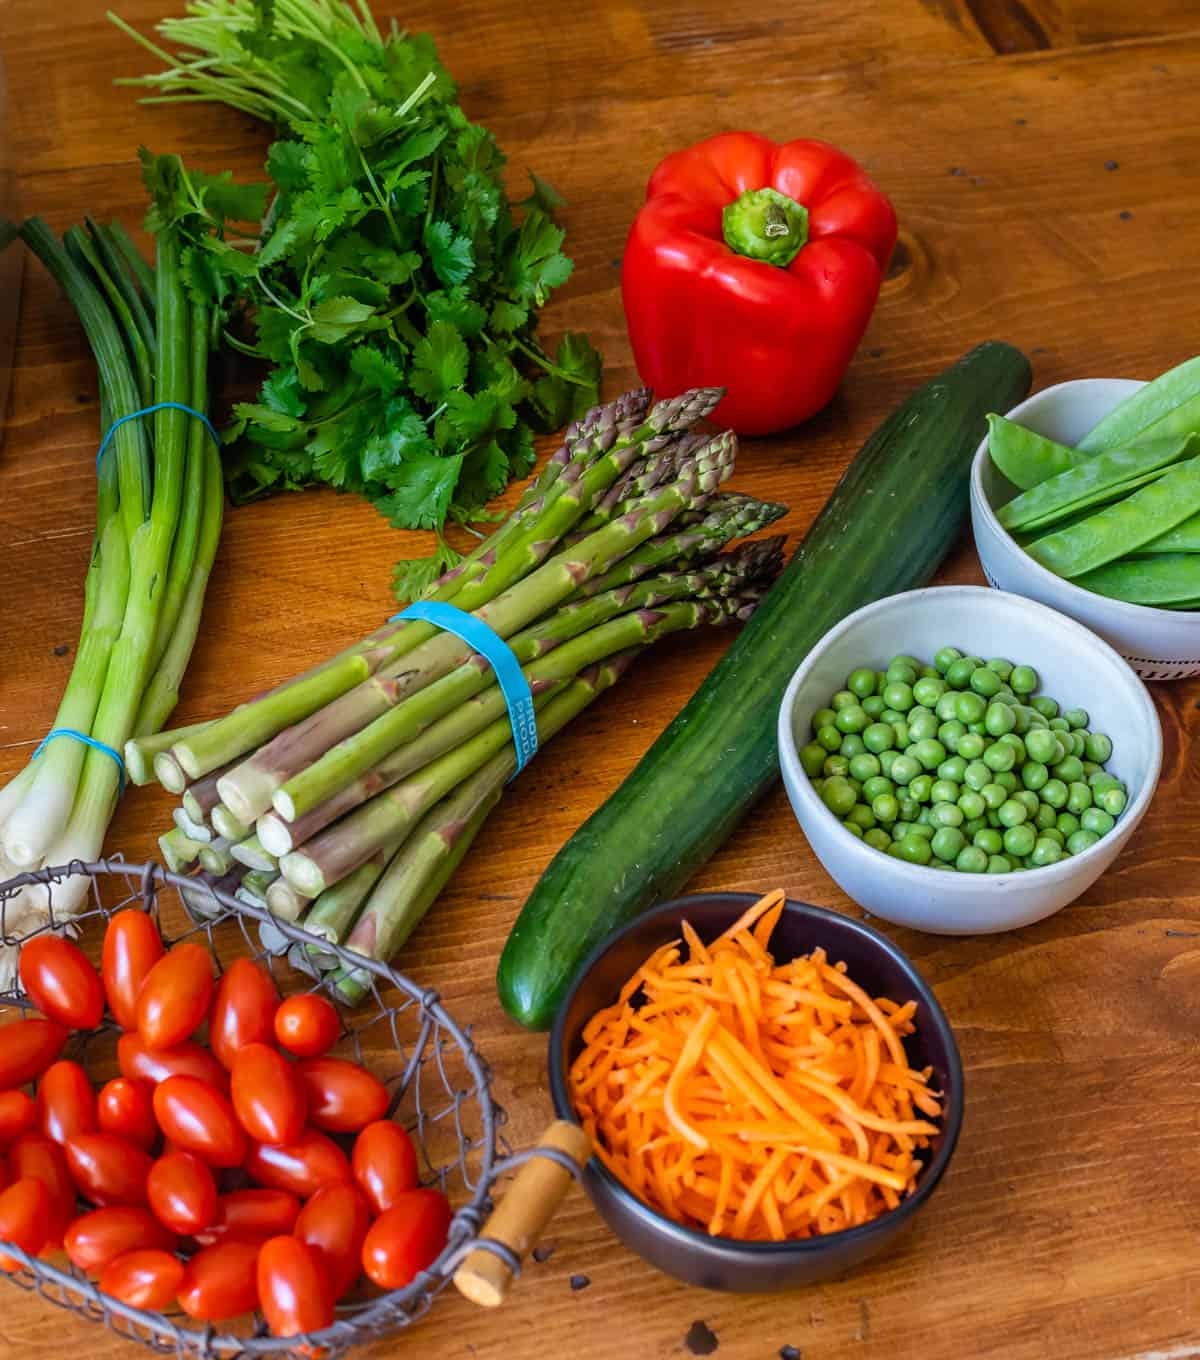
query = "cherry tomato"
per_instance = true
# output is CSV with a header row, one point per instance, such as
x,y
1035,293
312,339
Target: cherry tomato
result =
x,y
60,981
95,1239
243,1010
407,1238
384,1163
268,1098
125,1107
301,1167
24,1215
143,1279
27,1048
252,1215
334,1223
108,1169
220,1282
175,995
293,1293
18,1114
182,1193
66,1101
342,1096
37,1157
132,946
307,1025
199,1118
154,1065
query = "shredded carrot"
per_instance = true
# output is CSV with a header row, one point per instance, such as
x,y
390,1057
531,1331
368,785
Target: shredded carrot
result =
x,y
752,1099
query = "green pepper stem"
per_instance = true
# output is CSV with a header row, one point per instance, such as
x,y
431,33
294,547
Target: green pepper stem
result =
x,y
764,224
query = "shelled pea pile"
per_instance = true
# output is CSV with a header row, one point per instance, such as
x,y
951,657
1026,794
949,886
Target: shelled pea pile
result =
x,y
345,797
962,765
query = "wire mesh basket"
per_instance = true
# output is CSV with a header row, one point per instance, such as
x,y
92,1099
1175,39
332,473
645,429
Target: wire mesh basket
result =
x,y
440,1090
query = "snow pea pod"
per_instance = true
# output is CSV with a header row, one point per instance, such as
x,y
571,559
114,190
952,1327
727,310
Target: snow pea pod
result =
x,y
1122,528
1099,479
1144,408
1184,537
1168,579
1027,458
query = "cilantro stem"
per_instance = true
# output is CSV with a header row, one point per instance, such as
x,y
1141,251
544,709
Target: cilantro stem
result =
x,y
543,361
384,205
305,321
433,187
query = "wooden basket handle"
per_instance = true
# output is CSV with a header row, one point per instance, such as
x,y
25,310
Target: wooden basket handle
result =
x,y
519,1220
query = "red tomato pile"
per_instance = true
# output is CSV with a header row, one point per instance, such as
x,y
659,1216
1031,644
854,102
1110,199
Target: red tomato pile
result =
x,y
255,1173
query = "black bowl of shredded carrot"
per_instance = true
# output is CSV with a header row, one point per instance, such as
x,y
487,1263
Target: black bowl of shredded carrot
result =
x,y
772,1089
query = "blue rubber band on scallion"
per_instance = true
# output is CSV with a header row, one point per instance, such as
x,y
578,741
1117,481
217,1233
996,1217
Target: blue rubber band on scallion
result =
x,y
149,410
87,741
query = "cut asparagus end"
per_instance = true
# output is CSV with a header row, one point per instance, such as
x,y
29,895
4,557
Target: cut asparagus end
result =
x,y
253,855
274,834
302,873
169,772
196,831
226,824
285,901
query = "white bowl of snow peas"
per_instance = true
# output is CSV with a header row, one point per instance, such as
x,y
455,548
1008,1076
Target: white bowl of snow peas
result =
x,y
1008,836
1086,497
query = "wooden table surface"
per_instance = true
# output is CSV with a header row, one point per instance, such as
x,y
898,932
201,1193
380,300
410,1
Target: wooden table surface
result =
x,y
1043,159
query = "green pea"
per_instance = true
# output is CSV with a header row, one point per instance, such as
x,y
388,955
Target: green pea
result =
x,y
950,734
1069,769
1045,816
910,809
921,830
1090,768
999,719
945,657
904,769
923,817
818,784
999,756
835,765
944,790
902,734
1055,792
830,738
900,673
971,803
989,840
993,795
1102,780
1077,717
1004,695
844,698
838,795
876,785
873,706
1041,745
854,830
984,682
928,690
969,707
976,775
1078,744
946,814
1099,747
1061,726
1097,820
1112,801
864,766
899,696
907,659
1021,713
887,759
861,815
947,843
1066,823
920,787
971,860
1079,797
852,745
999,864
1081,840
930,752
1045,705
1011,739
886,807
879,736
1052,833
915,850
1023,679
952,768
855,785
1003,668
877,838
947,706
922,725
823,717
891,715
1034,774
1007,781
852,718
1045,851
1011,813
1020,840
861,682
973,827
971,746
812,757
958,675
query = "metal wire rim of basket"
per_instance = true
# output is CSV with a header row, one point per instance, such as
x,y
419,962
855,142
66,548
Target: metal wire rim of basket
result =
x,y
464,1116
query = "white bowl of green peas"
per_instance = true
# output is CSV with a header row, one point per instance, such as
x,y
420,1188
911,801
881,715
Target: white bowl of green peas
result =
x,y
1016,746
1160,643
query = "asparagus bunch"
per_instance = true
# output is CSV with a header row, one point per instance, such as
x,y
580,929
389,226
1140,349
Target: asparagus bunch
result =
x,y
158,520
348,795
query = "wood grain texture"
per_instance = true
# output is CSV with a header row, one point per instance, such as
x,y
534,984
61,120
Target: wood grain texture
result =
x,y
1042,158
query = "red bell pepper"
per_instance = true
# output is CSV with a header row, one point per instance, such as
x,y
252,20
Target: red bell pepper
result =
x,y
755,267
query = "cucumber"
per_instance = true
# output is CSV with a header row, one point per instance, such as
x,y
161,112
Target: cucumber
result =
x,y
888,524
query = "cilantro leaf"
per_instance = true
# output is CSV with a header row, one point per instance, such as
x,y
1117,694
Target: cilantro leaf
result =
x,y
376,370
455,306
413,577
338,317
287,164
439,362
544,196
423,499
449,254
281,392
386,457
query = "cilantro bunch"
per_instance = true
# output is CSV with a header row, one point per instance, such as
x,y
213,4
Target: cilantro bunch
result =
x,y
393,289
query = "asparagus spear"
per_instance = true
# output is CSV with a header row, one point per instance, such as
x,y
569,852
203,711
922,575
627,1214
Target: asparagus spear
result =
x,y
224,823
200,798
178,849
141,751
284,901
253,855
215,856
196,831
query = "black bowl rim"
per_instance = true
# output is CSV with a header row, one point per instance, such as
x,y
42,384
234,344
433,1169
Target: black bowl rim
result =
x,y
803,1246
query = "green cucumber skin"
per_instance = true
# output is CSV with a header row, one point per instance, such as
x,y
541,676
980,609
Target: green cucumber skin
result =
x,y
887,526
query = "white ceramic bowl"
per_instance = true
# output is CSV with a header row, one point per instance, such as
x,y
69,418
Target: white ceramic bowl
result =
x,y
1160,644
1076,668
